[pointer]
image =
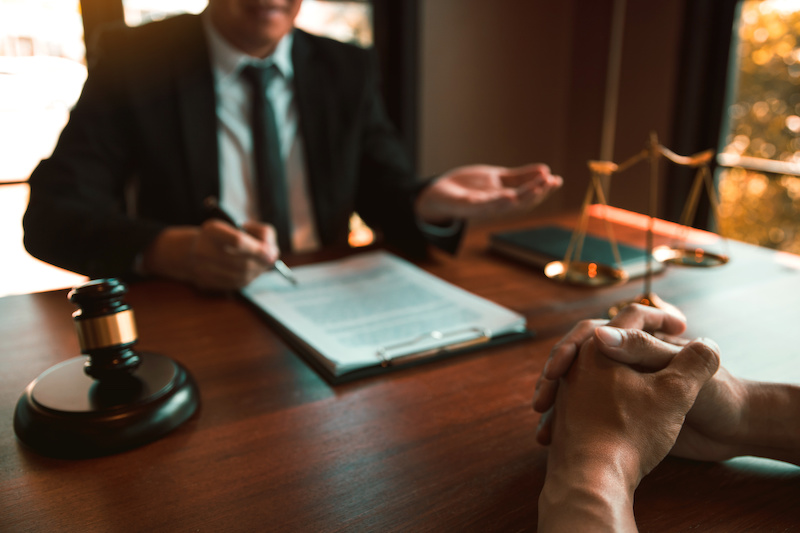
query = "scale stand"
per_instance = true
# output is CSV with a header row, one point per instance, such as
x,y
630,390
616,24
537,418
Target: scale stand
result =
x,y
673,255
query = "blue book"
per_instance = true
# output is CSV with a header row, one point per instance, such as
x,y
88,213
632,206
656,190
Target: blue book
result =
x,y
541,245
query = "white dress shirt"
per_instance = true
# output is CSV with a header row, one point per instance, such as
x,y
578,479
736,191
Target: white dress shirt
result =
x,y
235,141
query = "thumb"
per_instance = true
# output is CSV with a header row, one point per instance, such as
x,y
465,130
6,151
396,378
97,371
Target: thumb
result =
x,y
544,430
698,359
267,237
530,168
634,347
518,176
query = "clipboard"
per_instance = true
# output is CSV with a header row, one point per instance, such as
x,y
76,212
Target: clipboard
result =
x,y
422,317
312,358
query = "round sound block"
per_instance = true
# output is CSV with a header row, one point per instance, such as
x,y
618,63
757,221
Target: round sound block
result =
x,y
65,413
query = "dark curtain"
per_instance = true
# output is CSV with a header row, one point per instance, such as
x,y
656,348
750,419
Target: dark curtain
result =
x,y
396,30
707,64
96,14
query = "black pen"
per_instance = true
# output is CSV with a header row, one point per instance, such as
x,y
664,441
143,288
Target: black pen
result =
x,y
213,210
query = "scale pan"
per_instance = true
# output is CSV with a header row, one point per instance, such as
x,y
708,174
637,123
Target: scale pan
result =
x,y
694,257
584,273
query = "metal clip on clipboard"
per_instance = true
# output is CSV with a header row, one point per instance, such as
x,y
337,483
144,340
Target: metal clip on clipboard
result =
x,y
465,338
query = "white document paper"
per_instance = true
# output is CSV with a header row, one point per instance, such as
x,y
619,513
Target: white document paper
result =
x,y
369,309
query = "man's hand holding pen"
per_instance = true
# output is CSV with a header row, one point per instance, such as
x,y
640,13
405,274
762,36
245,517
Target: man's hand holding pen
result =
x,y
264,232
215,256
233,257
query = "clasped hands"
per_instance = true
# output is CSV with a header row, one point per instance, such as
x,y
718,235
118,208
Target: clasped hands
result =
x,y
613,370
617,397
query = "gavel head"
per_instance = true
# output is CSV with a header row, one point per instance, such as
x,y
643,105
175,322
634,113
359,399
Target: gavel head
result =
x,y
106,329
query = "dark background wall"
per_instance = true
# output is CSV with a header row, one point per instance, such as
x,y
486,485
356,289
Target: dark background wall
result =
x,y
509,82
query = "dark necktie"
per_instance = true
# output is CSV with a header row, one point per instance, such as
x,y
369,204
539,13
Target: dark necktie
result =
x,y
270,174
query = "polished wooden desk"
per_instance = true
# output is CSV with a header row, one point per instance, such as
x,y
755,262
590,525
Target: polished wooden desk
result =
x,y
446,446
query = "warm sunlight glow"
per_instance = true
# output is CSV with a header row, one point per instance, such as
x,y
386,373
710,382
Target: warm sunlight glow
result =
x,y
554,269
360,233
758,202
22,273
699,255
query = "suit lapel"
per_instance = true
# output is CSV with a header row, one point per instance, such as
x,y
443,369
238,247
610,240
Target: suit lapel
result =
x,y
314,105
197,108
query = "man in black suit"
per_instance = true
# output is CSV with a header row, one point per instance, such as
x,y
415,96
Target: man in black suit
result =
x,y
158,131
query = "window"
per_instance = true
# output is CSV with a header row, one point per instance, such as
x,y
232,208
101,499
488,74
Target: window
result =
x,y
348,21
759,182
138,12
42,71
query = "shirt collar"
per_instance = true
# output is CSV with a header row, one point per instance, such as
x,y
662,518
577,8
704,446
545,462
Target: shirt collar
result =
x,y
228,60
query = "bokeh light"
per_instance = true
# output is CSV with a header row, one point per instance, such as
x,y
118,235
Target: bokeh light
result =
x,y
764,123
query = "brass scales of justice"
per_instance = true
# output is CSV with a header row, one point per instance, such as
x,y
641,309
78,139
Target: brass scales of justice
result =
x,y
579,272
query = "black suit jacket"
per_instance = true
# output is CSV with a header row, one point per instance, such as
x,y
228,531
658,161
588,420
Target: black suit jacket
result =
x,y
140,150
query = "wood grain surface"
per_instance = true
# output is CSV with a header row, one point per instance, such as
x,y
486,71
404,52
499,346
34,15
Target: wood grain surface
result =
x,y
445,446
